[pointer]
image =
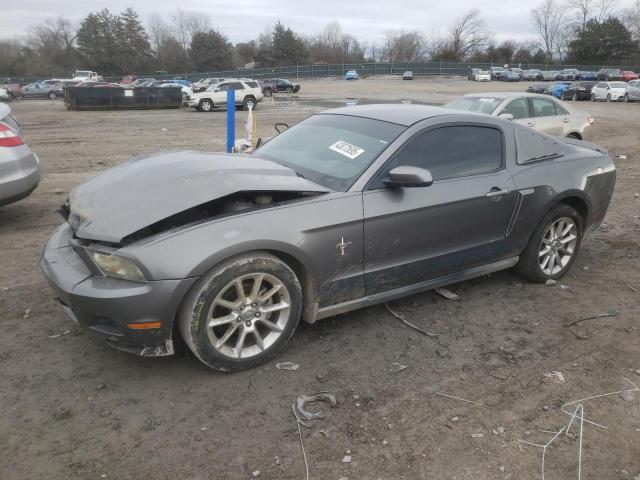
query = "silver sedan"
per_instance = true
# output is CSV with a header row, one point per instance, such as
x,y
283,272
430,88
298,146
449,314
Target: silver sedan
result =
x,y
19,166
540,112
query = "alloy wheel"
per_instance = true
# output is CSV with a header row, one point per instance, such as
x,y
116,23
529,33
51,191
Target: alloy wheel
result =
x,y
557,246
248,315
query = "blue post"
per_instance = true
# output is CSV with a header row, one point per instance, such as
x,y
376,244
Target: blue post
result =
x,y
231,119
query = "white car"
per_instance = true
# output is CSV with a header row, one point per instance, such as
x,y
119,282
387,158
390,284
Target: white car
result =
x,y
609,91
248,94
482,76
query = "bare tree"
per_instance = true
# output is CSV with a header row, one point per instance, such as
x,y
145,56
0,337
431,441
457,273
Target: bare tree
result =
x,y
402,47
549,20
631,18
468,34
587,9
187,24
159,31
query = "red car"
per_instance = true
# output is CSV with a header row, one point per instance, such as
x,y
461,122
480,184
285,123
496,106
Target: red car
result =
x,y
628,75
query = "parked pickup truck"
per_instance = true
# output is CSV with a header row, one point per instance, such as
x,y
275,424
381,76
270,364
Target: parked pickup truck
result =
x,y
248,94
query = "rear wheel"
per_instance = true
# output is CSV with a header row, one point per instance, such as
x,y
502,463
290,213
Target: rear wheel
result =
x,y
553,247
205,105
241,313
626,98
52,96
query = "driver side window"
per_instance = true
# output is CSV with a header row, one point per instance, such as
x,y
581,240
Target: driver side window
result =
x,y
450,152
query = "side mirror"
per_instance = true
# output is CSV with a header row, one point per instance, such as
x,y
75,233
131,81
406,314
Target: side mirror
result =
x,y
506,116
407,176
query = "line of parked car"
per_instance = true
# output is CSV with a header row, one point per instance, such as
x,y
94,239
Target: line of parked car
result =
x,y
616,91
206,94
535,75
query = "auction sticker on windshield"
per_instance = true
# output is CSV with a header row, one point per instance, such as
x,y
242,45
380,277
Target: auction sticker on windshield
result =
x,y
346,149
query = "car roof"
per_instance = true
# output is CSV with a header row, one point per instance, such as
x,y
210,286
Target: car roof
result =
x,y
400,114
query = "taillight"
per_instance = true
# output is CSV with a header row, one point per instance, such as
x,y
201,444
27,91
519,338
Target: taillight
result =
x,y
9,138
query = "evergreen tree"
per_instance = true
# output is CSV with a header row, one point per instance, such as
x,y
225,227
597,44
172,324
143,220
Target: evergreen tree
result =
x,y
602,43
210,51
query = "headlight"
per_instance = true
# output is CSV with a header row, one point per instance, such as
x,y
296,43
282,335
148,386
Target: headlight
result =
x,y
117,267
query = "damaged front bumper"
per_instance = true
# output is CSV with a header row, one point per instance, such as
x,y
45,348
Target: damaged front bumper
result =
x,y
109,306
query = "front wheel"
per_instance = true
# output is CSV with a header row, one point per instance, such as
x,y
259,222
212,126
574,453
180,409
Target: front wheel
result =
x,y
553,247
205,106
626,98
52,96
241,313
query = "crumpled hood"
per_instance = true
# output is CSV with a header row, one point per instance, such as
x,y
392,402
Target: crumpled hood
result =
x,y
145,190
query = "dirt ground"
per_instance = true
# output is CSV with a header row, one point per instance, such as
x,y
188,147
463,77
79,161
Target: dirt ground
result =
x,y
72,408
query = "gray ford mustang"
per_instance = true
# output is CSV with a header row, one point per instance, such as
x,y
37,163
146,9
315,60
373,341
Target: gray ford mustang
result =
x,y
348,208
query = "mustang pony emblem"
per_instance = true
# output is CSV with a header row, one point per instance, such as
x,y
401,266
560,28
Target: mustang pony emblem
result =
x,y
342,246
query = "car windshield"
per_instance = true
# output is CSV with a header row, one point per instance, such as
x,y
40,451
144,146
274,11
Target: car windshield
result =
x,y
331,150
475,104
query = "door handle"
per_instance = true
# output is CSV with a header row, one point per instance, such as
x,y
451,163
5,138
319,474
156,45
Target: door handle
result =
x,y
496,192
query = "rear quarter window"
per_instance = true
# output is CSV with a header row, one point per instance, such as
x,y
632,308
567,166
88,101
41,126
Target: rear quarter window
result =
x,y
535,147
252,84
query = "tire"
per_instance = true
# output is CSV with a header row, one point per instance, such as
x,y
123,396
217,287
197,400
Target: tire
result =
x,y
216,295
608,98
267,92
593,97
533,265
574,97
205,105
52,96
249,101
626,98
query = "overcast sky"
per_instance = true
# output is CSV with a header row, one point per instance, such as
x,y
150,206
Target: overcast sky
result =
x,y
243,20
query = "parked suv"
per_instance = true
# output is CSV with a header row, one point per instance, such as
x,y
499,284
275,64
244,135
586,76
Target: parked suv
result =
x,y
248,94
19,166
609,74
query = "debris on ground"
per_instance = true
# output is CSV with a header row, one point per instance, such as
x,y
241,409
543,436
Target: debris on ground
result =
x,y
550,282
477,435
448,294
556,376
27,312
300,412
593,317
61,334
255,473
398,367
346,459
408,323
458,398
287,366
